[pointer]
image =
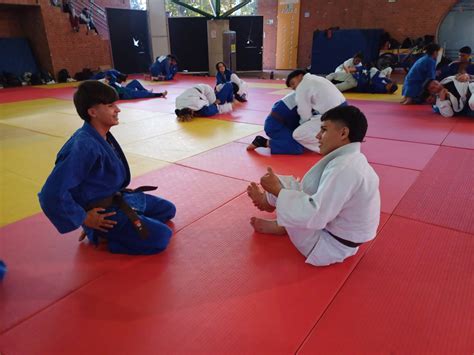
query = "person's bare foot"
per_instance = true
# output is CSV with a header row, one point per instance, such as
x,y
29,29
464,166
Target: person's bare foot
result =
x,y
408,101
258,198
251,147
267,226
164,93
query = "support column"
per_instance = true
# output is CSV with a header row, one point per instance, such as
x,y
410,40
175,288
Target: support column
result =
x,y
215,28
158,23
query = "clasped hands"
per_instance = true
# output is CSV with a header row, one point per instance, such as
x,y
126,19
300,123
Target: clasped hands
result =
x,y
270,182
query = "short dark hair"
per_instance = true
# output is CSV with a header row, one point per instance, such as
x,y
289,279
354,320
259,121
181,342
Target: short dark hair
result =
x,y
427,83
294,74
183,112
358,55
352,118
431,48
91,93
217,65
173,57
465,50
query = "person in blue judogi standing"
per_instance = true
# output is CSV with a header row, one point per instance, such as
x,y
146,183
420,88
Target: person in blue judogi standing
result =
x,y
88,185
165,67
279,127
423,69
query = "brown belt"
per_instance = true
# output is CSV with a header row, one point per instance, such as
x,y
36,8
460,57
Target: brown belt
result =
x,y
118,201
346,242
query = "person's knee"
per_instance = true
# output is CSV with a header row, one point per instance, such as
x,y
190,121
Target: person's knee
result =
x,y
170,209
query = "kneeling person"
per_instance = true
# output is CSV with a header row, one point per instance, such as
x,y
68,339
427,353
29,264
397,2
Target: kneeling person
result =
x,y
336,207
87,186
279,126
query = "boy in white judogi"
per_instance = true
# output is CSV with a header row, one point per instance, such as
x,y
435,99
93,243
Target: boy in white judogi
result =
x,y
343,75
336,207
454,95
314,96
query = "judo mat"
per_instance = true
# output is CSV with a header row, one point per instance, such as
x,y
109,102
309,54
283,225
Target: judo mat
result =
x,y
220,287
410,294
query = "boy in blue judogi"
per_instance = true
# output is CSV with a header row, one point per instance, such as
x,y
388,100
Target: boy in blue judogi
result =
x,y
164,68
279,126
87,186
423,69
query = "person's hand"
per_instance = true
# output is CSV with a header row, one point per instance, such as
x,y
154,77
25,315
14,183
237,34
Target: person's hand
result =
x,y
443,94
218,102
270,182
97,220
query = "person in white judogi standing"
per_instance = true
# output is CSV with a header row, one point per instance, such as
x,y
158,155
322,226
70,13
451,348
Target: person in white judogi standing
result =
x,y
336,206
314,96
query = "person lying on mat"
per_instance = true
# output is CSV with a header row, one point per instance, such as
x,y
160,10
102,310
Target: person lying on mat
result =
x,y
454,95
224,75
132,90
279,126
336,207
343,76
375,81
314,96
88,185
201,100
423,69
165,67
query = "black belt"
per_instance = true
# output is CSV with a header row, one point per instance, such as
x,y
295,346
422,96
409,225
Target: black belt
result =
x,y
347,243
118,200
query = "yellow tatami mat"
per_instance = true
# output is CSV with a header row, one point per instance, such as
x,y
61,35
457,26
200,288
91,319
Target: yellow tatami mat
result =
x,y
199,136
32,107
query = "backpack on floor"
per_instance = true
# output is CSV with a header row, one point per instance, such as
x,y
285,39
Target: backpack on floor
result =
x,y
63,75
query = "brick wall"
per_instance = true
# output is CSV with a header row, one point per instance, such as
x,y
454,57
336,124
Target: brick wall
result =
x,y
402,18
269,10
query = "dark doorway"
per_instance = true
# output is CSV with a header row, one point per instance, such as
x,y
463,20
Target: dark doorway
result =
x,y
188,42
129,39
249,31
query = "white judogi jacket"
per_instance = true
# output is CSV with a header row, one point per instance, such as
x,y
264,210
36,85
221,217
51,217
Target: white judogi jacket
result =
x,y
316,95
196,98
348,64
339,194
452,104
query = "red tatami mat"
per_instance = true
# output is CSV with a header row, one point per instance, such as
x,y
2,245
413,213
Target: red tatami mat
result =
x,y
400,154
444,192
462,135
412,293
233,160
415,123
217,289
195,193
45,266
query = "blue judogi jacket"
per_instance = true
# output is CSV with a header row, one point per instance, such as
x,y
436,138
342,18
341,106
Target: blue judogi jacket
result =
x,y
378,85
88,168
223,78
453,69
423,69
163,67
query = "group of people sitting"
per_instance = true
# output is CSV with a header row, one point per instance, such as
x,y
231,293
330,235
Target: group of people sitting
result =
x,y
88,187
449,89
354,75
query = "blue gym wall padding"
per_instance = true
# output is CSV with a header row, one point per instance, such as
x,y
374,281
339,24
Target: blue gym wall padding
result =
x,y
16,56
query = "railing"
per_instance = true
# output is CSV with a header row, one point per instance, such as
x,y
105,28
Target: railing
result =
x,y
98,14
